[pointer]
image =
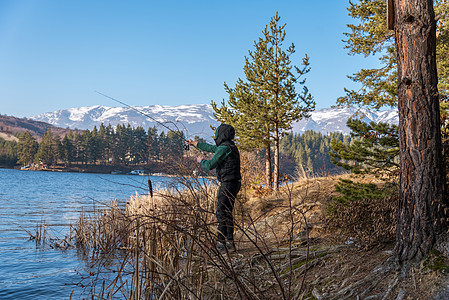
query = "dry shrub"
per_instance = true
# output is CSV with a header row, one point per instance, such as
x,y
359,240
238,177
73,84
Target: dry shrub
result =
x,y
252,168
260,191
366,222
168,248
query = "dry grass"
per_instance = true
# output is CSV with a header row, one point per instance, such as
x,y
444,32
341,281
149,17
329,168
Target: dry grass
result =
x,y
285,250
168,243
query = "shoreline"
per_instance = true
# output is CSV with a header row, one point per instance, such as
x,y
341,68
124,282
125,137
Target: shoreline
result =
x,y
101,169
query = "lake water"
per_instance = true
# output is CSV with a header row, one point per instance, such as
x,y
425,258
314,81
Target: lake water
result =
x,y
29,198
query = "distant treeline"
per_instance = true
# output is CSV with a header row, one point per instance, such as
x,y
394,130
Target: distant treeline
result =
x,y
310,151
125,145
105,145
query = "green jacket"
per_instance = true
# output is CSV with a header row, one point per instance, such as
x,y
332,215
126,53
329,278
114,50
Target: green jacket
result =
x,y
220,153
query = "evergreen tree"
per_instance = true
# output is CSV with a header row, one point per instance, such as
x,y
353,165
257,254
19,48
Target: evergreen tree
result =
x,y
175,144
85,143
79,148
140,145
67,149
264,107
374,149
94,145
163,147
108,141
125,138
422,191
102,144
153,144
244,110
414,70
49,147
26,148
370,36
120,144
8,153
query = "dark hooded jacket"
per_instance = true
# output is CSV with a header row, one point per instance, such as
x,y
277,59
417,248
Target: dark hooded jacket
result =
x,y
226,157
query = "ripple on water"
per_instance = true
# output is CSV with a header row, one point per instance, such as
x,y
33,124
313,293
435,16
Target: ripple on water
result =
x,y
29,198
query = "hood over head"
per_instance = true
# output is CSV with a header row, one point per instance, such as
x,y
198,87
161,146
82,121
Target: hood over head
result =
x,y
224,132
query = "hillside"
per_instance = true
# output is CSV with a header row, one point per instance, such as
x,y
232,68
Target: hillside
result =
x,y
9,126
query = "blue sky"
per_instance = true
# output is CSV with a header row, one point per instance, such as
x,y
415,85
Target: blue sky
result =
x,y
55,54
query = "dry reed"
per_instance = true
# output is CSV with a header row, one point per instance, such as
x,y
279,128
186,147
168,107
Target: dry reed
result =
x,y
168,249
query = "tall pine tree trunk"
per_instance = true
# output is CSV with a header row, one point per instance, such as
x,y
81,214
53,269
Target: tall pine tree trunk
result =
x,y
268,176
421,189
276,159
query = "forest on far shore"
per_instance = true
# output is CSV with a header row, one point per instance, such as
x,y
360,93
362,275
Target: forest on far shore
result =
x,y
302,154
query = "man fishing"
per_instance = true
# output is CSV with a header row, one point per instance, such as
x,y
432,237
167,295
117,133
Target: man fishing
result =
x,y
226,161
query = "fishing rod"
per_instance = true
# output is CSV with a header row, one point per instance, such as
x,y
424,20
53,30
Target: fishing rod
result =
x,y
186,145
177,132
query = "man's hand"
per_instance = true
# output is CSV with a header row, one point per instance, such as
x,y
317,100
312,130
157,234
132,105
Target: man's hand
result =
x,y
199,159
192,143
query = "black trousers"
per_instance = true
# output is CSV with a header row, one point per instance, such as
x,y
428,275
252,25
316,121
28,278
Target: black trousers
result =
x,y
225,205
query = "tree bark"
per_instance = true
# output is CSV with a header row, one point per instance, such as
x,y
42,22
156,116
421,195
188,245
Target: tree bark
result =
x,y
276,169
268,167
421,192
268,174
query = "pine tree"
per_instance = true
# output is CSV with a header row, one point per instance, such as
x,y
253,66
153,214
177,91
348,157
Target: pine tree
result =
x,y
422,192
153,146
86,146
26,148
94,146
67,149
109,143
140,145
163,149
410,79
370,36
8,153
49,148
102,144
264,107
175,144
374,149
245,110
79,148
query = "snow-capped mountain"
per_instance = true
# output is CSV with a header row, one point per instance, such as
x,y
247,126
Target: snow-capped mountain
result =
x,y
196,119
328,120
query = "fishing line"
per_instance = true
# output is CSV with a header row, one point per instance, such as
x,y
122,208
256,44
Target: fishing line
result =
x,y
177,132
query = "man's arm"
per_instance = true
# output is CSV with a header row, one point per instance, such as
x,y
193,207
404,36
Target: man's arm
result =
x,y
221,153
202,146
206,147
